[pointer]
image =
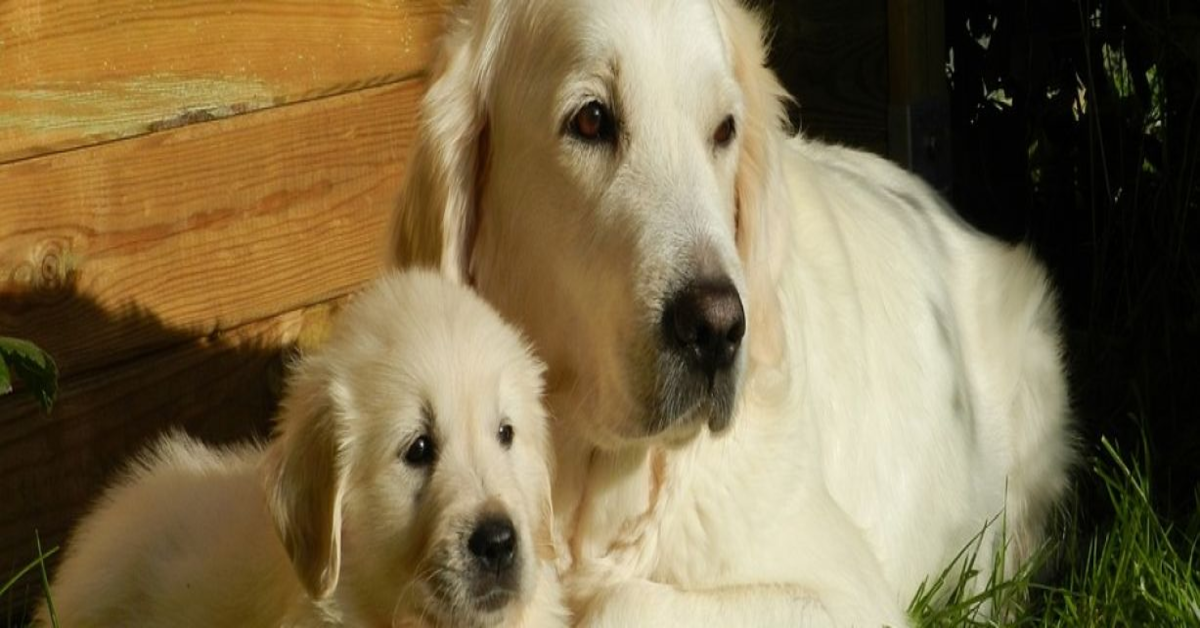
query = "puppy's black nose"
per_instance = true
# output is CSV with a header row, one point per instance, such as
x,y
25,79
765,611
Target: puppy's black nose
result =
x,y
705,321
493,543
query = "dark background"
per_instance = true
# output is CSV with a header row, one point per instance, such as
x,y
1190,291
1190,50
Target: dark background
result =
x,y
1074,125
1095,163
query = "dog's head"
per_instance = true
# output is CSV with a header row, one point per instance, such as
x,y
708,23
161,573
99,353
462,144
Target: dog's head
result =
x,y
603,173
410,458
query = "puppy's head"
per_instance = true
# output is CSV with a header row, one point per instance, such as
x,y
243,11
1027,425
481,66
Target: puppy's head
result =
x,y
600,171
410,458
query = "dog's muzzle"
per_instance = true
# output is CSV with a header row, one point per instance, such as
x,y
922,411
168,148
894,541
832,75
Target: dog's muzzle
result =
x,y
495,561
702,328
477,575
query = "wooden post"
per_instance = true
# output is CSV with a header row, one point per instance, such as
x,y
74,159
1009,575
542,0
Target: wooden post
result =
x,y
918,100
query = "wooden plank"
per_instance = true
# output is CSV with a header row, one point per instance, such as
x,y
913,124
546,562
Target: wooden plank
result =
x,y
832,57
221,389
76,73
919,105
113,251
916,50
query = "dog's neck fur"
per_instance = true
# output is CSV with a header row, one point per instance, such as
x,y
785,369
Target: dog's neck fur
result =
x,y
603,501
610,505
598,493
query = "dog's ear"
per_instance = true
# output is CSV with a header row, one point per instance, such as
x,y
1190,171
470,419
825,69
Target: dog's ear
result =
x,y
762,215
435,220
304,479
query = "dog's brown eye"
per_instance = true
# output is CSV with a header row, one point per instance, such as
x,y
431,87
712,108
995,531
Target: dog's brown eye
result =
x,y
725,132
593,123
505,435
420,453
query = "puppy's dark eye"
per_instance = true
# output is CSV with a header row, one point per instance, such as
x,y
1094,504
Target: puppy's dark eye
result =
x,y
725,132
593,123
505,435
421,453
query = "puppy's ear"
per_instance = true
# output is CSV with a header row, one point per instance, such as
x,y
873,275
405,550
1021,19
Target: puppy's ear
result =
x,y
435,221
762,215
305,479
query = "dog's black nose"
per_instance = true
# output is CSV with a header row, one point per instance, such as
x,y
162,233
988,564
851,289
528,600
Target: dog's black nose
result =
x,y
493,543
706,322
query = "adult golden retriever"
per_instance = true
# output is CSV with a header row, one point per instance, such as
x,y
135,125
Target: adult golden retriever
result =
x,y
788,382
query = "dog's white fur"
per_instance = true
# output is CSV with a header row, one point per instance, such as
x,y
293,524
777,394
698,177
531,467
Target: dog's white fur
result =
x,y
191,536
901,383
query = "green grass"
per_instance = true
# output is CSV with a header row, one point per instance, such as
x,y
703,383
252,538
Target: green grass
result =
x,y
1132,569
17,598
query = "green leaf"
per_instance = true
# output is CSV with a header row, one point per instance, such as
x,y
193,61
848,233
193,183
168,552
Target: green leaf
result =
x,y
32,366
5,379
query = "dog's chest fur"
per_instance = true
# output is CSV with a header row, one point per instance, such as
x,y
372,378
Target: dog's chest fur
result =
x,y
706,514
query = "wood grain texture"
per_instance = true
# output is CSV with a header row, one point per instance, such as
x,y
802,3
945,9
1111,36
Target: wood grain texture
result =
x,y
832,57
919,107
76,73
221,389
916,50
201,228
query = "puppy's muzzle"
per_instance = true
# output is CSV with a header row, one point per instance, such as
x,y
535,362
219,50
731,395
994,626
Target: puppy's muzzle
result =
x,y
495,561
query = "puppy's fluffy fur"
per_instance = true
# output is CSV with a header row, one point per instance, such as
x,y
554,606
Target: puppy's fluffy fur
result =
x,y
899,385
191,536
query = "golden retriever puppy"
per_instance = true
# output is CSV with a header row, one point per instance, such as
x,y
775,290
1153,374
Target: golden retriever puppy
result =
x,y
789,383
406,484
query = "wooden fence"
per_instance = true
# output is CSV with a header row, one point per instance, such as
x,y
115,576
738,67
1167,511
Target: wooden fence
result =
x,y
186,189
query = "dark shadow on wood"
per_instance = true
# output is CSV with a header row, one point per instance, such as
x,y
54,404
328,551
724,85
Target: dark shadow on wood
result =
x,y
221,388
